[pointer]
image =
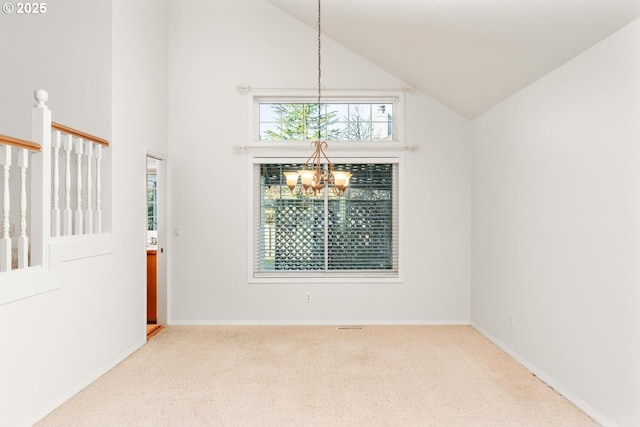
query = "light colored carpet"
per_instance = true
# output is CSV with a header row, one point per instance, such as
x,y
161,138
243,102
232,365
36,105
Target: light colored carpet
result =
x,y
318,376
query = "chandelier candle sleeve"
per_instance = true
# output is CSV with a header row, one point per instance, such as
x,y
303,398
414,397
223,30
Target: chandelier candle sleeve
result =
x,y
292,179
307,177
341,180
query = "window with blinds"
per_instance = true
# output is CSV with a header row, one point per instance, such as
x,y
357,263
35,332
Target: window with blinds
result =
x,y
353,235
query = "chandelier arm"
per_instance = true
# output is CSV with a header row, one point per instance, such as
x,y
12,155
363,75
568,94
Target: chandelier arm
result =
x,y
322,146
308,161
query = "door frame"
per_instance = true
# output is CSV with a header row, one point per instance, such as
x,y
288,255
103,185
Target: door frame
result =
x,y
161,260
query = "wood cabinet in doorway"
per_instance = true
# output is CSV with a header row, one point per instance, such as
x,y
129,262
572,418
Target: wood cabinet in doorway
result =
x,y
152,293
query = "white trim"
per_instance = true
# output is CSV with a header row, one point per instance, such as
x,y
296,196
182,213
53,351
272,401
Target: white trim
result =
x,y
342,146
339,152
278,91
301,279
257,160
367,276
283,322
162,232
547,379
389,96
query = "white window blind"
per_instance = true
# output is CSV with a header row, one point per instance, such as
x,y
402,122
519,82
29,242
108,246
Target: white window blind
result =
x,y
353,235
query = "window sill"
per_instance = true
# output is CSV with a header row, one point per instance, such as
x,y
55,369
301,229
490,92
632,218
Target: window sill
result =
x,y
282,280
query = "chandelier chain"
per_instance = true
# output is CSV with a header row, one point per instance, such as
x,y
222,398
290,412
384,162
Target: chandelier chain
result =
x,y
319,70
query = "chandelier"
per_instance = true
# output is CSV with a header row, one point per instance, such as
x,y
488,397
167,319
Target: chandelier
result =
x,y
318,172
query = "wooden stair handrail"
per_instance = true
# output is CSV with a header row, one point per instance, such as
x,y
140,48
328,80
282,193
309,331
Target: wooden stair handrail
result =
x,y
20,143
79,134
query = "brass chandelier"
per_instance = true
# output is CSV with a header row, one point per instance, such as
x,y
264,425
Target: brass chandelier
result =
x,y
315,175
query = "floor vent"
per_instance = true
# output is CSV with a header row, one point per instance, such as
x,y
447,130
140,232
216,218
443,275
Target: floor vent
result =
x,y
340,328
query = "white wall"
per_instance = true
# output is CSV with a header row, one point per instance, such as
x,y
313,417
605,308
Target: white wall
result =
x,y
555,198
214,48
39,52
55,344
556,227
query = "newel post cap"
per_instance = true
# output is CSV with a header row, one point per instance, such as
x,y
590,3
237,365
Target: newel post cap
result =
x,y
41,96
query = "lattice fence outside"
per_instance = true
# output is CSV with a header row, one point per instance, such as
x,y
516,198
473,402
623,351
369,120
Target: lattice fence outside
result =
x,y
299,235
360,235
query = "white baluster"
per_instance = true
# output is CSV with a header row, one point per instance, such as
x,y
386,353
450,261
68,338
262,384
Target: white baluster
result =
x,y
88,213
55,188
77,217
23,239
98,219
67,218
5,239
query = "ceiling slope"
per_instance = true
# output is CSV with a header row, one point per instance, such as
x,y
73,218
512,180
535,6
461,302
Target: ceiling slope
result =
x,y
467,54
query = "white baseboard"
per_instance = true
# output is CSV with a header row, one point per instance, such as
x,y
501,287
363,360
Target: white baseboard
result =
x,y
78,387
563,391
317,322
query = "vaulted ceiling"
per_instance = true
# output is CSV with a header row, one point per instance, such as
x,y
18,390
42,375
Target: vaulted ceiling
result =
x,y
468,54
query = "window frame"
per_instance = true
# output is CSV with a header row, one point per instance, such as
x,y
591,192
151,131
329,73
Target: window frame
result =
x,y
334,96
343,151
382,276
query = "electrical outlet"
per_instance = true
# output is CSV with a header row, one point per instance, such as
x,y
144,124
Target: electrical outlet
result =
x,y
511,320
307,297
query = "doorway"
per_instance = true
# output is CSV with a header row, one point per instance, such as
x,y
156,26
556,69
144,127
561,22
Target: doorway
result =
x,y
156,238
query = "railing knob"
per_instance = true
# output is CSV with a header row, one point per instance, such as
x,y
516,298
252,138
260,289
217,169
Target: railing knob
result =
x,y
41,96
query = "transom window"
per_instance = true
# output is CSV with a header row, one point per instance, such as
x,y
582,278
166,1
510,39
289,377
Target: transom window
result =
x,y
336,121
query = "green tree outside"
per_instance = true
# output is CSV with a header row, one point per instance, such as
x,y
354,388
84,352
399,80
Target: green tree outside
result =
x,y
300,122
